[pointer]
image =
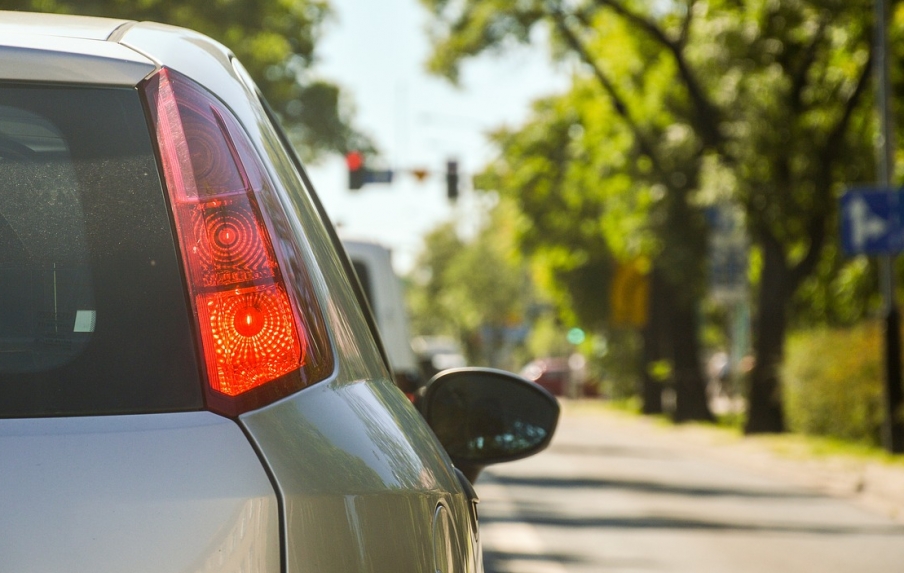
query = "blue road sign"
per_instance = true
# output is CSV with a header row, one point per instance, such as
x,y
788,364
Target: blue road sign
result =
x,y
871,221
375,176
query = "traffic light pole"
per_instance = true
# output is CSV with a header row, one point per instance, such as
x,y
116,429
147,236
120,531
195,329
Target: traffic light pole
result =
x,y
893,427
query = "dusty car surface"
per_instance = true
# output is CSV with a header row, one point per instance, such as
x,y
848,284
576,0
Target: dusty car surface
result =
x,y
188,380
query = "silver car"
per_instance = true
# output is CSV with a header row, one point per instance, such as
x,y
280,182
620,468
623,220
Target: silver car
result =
x,y
188,382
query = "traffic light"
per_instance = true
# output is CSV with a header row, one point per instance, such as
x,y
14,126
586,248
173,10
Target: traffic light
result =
x,y
356,170
452,180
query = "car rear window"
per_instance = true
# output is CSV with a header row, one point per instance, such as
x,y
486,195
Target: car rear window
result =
x,y
93,314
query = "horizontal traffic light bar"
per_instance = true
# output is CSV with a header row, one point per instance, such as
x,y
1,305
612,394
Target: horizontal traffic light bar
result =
x,y
360,175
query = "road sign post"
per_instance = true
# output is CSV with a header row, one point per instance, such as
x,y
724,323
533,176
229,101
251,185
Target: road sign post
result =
x,y
872,223
893,428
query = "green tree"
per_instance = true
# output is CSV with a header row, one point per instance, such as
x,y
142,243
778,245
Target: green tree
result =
x,y
794,128
632,85
772,92
428,280
474,290
593,204
274,39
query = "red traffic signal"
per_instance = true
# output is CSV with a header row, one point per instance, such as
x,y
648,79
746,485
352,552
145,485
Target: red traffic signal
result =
x,y
356,170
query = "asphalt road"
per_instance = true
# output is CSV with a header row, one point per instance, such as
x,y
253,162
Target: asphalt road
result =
x,y
614,494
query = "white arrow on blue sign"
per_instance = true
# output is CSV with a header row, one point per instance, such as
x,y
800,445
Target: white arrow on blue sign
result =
x,y
871,221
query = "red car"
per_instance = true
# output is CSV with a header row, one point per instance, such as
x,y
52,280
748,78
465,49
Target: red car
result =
x,y
552,374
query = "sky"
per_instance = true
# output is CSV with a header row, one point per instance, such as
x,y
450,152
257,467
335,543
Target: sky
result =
x,y
375,50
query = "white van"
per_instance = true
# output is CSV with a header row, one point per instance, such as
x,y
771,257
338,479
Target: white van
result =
x,y
373,265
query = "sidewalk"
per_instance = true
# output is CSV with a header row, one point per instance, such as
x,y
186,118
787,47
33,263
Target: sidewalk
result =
x,y
873,484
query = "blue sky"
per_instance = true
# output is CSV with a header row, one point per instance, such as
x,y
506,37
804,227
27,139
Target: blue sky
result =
x,y
375,50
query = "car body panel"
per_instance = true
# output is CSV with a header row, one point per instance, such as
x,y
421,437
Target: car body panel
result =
x,y
361,480
360,473
181,492
195,55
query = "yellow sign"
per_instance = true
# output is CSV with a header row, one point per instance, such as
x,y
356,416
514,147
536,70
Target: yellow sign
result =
x,y
630,294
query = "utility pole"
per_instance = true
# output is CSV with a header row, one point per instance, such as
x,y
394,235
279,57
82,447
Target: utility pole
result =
x,y
893,427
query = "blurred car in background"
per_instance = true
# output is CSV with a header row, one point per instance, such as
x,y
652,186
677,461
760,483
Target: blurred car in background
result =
x,y
437,353
189,380
551,373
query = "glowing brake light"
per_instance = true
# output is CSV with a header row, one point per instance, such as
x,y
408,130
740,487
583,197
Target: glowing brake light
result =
x,y
258,343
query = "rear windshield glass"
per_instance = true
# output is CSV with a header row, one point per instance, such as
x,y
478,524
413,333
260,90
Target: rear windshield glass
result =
x,y
93,316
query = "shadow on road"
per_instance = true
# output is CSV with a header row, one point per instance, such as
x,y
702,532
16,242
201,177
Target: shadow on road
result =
x,y
680,523
653,487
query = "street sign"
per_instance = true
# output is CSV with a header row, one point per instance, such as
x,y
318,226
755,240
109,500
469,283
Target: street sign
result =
x,y
378,176
727,249
871,221
629,297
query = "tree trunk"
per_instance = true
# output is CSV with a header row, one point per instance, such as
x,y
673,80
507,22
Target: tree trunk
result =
x,y
764,404
655,334
687,374
682,348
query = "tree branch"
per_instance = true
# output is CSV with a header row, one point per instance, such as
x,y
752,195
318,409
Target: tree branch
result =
x,y
686,24
817,223
837,133
559,18
799,78
708,116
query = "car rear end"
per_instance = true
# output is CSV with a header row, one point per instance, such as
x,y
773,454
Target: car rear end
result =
x,y
163,303
109,460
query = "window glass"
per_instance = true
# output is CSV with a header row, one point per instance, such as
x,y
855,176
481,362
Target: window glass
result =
x,y
364,276
93,316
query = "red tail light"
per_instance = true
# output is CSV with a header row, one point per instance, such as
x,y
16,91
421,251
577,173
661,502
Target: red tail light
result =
x,y
259,344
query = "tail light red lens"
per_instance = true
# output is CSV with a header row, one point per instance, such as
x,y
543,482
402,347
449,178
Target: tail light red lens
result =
x,y
258,343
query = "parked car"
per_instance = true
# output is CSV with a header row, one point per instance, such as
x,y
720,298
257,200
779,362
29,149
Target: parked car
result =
x,y
382,289
552,373
189,382
437,353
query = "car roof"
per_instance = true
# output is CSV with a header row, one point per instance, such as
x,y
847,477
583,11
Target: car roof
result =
x,y
60,25
68,49
105,51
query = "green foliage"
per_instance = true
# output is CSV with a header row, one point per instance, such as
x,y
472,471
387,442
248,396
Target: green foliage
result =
x,y
567,173
833,383
470,289
660,370
547,338
759,102
275,41
785,77
619,367
468,28
428,281
843,291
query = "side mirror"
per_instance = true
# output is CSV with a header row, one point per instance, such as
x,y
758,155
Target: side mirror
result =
x,y
484,416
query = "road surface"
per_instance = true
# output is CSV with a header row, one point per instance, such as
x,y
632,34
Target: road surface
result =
x,y
618,494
